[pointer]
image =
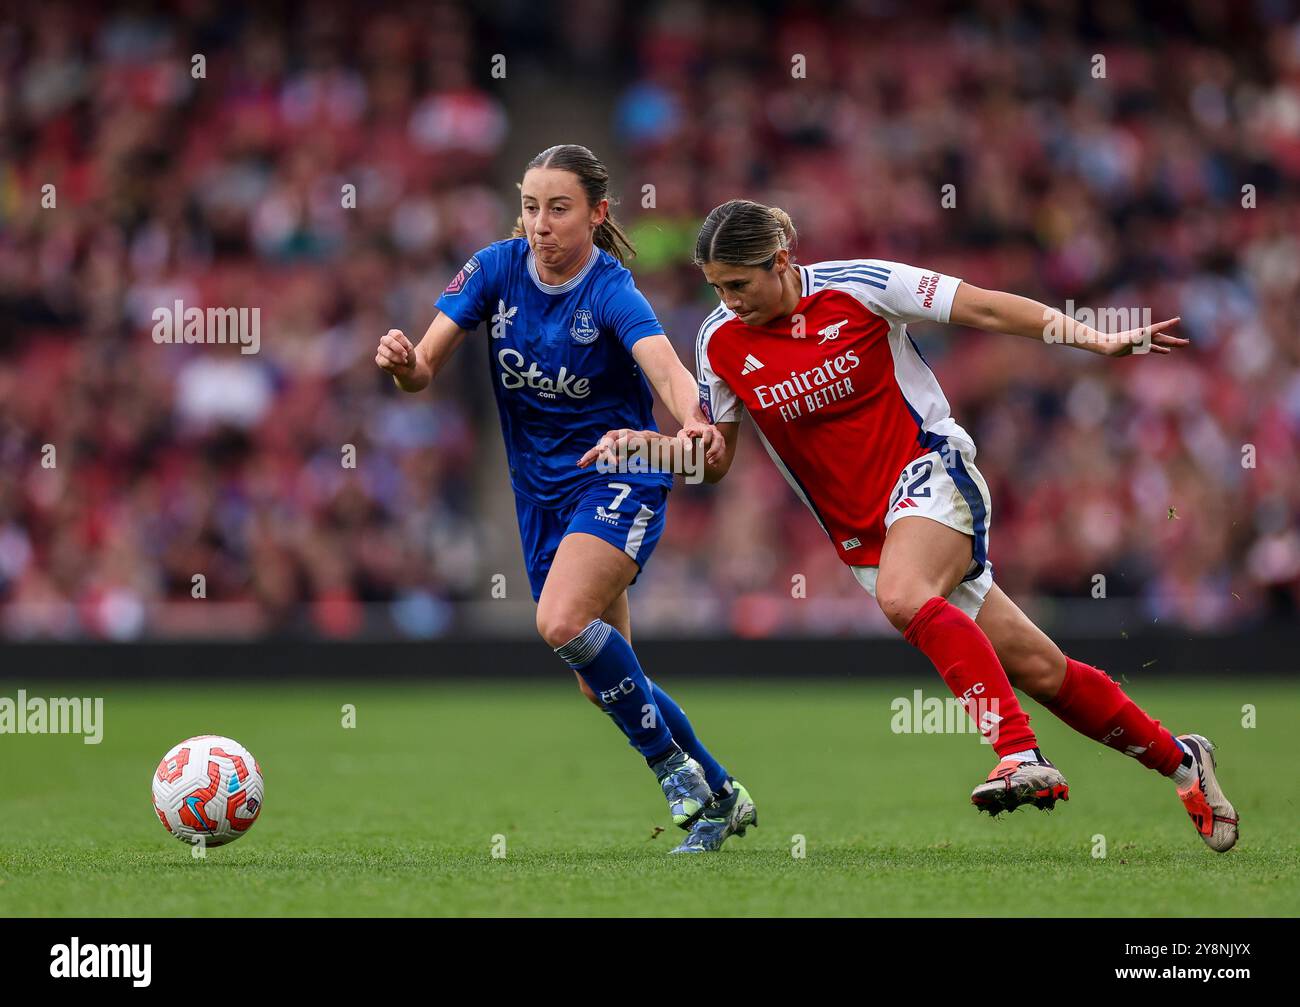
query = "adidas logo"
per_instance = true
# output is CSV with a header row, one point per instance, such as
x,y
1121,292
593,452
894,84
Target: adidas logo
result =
x,y
905,503
752,363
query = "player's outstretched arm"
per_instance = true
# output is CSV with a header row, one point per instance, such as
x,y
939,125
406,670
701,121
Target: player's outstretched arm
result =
x,y
677,390
998,311
413,367
678,454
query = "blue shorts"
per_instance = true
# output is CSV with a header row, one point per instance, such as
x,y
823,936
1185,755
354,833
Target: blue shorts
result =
x,y
626,512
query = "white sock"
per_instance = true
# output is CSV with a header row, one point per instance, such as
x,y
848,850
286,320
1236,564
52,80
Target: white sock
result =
x,y
1028,755
1185,774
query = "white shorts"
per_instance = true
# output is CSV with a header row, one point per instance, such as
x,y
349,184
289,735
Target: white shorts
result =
x,y
945,486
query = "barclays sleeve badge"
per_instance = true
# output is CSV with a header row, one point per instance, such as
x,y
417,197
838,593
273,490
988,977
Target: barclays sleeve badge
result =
x,y
583,330
706,401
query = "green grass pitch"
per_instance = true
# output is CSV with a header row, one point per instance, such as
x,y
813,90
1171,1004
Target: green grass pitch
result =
x,y
397,815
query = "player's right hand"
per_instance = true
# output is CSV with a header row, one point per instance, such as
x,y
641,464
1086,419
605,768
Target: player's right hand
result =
x,y
396,355
709,437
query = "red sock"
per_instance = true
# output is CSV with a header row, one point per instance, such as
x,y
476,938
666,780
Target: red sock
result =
x,y
1094,705
968,663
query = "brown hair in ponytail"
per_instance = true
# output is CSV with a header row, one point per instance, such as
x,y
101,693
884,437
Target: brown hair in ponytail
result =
x,y
741,232
593,176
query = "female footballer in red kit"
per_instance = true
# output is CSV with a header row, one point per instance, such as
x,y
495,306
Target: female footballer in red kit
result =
x,y
820,357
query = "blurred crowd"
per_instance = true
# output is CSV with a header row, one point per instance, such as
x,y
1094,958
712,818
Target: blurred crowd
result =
x,y
334,163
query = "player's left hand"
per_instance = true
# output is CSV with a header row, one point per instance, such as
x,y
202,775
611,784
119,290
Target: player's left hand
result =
x,y
710,439
1158,338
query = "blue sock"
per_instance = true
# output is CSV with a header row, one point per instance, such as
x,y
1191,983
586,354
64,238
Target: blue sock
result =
x,y
684,735
609,667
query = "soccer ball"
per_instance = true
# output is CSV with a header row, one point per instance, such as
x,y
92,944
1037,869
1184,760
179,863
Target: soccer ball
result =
x,y
208,789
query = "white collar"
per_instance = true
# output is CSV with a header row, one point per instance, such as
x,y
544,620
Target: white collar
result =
x,y
567,285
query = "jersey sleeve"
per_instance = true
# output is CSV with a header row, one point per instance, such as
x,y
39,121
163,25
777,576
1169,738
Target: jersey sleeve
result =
x,y
912,294
717,401
625,311
470,295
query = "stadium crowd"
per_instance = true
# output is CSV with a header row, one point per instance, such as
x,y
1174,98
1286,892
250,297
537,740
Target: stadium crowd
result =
x,y
333,167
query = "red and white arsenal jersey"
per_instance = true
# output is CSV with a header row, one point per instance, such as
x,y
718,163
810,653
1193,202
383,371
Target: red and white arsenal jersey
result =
x,y
838,391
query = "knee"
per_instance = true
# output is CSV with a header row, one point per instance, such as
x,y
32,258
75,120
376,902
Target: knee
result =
x,y
900,601
557,626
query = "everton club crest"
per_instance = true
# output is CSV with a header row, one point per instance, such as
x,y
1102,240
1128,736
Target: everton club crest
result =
x,y
583,330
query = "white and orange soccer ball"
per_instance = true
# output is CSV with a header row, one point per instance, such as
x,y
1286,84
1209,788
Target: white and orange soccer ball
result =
x,y
208,789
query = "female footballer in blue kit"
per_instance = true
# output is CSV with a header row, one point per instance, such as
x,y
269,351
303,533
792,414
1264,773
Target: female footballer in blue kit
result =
x,y
571,346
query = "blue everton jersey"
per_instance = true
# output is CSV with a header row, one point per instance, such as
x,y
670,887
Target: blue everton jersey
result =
x,y
561,360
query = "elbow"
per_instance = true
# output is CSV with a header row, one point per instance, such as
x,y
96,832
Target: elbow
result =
x,y
977,309
984,316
